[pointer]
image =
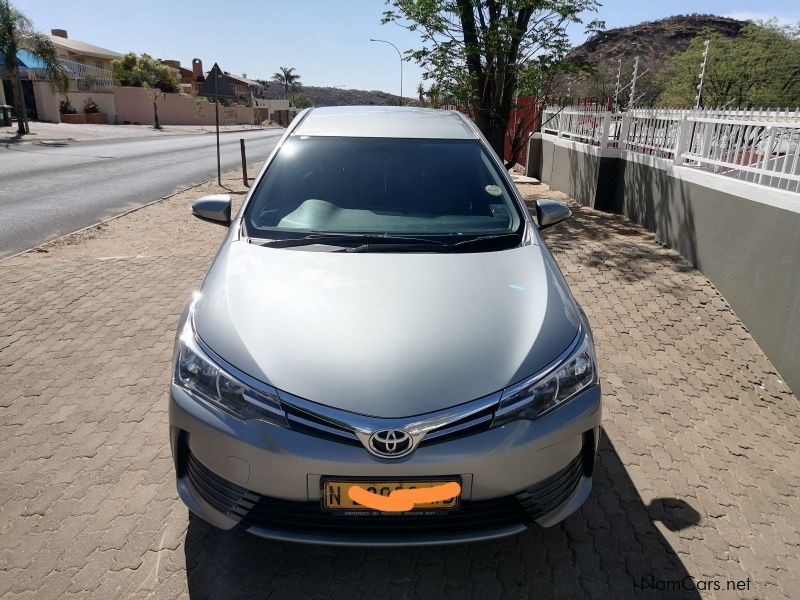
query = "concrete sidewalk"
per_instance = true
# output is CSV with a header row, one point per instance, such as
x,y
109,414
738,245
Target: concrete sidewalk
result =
x,y
697,479
46,132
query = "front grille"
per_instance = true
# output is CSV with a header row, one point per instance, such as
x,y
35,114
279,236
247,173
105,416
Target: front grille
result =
x,y
470,425
315,425
309,518
311,424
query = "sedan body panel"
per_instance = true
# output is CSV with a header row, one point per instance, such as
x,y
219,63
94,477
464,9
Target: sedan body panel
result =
x,y
397,335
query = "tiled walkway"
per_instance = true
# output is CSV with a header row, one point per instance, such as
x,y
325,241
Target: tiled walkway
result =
x,y
698,473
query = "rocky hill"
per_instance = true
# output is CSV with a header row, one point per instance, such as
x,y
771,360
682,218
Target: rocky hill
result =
x,y
329,96
654,42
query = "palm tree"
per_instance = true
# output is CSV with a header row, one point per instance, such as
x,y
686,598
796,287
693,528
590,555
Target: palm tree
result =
x,y
17,33
288,79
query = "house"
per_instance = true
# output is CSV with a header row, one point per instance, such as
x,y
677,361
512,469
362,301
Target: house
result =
x,y
88,67
188,79
244,87
81,52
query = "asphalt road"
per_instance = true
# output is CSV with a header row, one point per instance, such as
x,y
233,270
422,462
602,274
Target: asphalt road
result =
x,y
48,191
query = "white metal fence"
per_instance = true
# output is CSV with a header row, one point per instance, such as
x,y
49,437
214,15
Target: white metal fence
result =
x,y
760,146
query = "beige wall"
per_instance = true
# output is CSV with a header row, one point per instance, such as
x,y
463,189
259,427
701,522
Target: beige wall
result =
x,y
105,102
135,105
48,100
273,104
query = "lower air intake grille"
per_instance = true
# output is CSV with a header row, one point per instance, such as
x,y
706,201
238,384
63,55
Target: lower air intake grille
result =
x,y
223,495
309,518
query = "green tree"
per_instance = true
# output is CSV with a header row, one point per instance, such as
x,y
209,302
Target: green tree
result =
x,y
17,33
288,79
761,67
543,81
301,101
144,71
477,51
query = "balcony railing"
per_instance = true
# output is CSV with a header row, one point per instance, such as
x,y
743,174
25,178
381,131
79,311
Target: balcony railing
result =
x,y
82,78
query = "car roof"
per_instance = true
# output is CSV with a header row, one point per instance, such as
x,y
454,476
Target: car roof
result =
x,y
384,122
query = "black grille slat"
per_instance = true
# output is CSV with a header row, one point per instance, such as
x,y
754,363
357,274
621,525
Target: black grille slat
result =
x,y
552,487
223,495
311,424
470,425
226,492
227,495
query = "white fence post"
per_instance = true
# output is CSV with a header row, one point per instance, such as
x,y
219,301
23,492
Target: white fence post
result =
x,y
767,154
605,127
681,140
624,129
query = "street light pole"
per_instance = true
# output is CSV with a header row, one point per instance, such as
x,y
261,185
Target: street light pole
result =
x,y
401,60
216,122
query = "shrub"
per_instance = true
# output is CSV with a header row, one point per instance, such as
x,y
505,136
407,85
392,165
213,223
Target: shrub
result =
x,y
90,107
65,107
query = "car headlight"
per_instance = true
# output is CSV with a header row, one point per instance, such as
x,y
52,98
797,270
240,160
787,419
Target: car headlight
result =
x,y
204,379
541,394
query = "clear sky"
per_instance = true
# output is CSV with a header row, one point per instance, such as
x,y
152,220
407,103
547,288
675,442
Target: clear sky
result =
x,y
327,41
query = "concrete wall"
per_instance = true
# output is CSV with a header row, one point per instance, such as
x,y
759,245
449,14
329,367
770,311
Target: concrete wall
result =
x,y
48,101
105,102
744,237
135,105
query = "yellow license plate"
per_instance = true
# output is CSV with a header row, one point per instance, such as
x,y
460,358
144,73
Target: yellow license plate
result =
x,y
335,494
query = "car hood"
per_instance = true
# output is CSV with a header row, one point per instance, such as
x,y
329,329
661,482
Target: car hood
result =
x,y
386,335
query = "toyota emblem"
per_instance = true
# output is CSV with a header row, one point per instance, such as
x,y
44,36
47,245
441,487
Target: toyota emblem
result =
x,y
390,443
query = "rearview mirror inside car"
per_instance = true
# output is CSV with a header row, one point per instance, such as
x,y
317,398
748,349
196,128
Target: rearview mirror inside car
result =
x,y
549,212
215,208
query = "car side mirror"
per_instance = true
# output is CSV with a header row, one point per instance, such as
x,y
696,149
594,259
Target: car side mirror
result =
x,y
550,212
215,208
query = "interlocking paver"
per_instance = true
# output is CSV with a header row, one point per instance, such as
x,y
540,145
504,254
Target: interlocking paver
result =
x,y
697,475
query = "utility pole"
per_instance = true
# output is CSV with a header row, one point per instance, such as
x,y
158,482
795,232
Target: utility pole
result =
x,y
633,83
699,98
616,85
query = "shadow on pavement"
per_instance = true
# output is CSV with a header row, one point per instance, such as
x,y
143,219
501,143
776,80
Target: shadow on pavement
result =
x,y
610,548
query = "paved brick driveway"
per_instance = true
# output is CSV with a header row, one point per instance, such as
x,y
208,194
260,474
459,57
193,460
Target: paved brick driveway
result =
x,y
698,472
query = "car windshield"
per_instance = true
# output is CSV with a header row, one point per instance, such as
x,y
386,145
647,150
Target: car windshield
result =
x,y
379,186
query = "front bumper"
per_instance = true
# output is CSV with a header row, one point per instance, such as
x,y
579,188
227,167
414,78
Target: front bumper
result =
x,y
266,479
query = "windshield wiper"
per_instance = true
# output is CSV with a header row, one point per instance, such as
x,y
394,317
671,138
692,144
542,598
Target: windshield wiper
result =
x,y
436,246
342,239
488,240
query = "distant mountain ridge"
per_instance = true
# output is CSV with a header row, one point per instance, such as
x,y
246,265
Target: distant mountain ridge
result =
x,y
654,42
334,96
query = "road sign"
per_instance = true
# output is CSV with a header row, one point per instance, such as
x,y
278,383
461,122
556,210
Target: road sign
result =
x,y
216,84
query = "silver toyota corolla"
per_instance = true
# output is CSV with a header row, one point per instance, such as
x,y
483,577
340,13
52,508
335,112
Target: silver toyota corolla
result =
x,y
383,318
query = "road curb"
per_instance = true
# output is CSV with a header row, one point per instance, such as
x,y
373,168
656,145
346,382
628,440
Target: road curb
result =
x,y
6,143
114,218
